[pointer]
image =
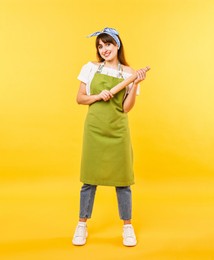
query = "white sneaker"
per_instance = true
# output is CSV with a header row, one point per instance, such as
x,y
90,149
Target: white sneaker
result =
x,y
129,238
80,234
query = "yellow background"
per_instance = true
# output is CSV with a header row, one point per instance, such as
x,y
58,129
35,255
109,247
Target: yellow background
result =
x,y
42,49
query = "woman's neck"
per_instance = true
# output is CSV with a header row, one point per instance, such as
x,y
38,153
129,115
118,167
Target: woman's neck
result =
x,y
112,64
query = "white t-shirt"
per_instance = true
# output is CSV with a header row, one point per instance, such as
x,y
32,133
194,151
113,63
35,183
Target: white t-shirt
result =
x,y
89,69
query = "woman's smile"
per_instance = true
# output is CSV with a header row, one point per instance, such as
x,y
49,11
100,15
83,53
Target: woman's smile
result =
x,y
107,53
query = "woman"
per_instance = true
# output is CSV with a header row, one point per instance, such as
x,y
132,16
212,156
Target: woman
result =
x,y
107,150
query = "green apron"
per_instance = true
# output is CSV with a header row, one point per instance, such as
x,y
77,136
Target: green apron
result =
x,y
107,151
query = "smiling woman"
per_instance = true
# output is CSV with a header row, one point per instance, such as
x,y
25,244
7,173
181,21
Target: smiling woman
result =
x,y
107,151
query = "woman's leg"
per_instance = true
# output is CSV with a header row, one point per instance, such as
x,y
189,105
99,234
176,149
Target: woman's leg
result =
x,y
87,195
124,197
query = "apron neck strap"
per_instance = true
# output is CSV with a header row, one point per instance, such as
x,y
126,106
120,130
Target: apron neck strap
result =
x,y
99,70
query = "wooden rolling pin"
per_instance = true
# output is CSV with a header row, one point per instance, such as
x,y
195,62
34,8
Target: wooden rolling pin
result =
x,y
125,82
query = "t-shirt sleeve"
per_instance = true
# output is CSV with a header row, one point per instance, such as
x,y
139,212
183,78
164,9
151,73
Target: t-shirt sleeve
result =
x,y
85,73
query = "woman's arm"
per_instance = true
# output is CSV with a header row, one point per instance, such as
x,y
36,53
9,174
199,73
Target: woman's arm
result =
x,y
131,97
84,99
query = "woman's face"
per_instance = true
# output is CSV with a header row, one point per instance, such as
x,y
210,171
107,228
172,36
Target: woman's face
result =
x,y
108,51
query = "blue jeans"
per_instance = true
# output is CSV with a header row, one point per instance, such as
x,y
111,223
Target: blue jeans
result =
x,y
124,199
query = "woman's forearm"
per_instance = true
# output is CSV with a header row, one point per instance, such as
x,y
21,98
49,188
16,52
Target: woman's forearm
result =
x,y
86,99
130,99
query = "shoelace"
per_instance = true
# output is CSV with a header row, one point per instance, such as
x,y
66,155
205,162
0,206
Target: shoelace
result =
x,y
80,231
129,232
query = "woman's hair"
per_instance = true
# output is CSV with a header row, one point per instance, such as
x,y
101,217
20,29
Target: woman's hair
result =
x,y
108,39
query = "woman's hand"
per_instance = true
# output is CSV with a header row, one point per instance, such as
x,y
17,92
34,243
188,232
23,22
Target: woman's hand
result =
x,y
105,95
141,75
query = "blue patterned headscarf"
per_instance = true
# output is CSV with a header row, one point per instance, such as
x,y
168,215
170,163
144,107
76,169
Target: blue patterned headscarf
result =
x,y
110,31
